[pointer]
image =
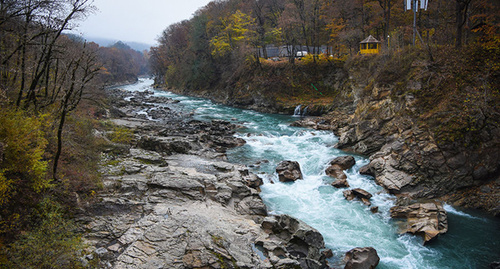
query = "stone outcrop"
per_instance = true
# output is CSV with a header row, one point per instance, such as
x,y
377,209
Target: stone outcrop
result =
x,y
336,170
408,157
344,162
300,241
289,171
425,219
361,194
485,197
340,183
361,258
194,212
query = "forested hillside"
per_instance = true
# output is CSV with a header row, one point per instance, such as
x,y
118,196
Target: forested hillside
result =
x,y
427,114
50,99
229,40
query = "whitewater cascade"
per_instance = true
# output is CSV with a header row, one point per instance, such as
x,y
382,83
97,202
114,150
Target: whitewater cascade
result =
x,y
298,112
473,239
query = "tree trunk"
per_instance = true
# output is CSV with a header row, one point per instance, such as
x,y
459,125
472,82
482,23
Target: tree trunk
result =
x,y
460,14
59,143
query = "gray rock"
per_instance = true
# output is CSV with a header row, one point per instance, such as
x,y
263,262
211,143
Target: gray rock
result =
x,y
164,145
425,219
289,171
252,205
341,183
301,241
338,165
336,171
345,162
149,157
196,212
348,195
361,194
361,258
366,170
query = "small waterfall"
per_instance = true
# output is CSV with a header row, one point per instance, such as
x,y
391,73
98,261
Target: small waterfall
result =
x,y
296,112
304,113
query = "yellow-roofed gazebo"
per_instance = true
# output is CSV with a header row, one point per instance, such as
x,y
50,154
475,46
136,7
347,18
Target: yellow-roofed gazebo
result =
x,y
369,46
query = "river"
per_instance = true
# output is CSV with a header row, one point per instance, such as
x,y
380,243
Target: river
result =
x,y
473,239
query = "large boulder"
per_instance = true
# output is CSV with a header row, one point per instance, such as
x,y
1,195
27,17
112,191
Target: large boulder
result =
x,y
288,171
345,162
361,258
338,165
340,183
361,194
425,219
164,145
336,172
299,242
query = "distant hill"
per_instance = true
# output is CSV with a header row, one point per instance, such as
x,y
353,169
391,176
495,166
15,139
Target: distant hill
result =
x,y
106,42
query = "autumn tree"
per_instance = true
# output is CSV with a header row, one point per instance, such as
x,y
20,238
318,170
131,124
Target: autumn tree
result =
x,y
234,31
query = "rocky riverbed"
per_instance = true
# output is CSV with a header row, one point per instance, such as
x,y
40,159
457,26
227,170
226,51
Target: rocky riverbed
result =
x,y
171,200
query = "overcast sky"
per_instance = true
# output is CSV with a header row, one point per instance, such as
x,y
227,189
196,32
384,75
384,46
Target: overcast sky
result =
x,y
136,20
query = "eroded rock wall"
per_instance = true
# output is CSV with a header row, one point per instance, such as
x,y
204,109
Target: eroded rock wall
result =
x,y
412,152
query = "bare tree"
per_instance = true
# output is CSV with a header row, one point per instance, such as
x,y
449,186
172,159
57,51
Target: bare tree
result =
x,y
81,68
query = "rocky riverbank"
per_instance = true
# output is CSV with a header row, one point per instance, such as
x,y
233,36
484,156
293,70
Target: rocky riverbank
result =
x,y
409,157
170,199
407,160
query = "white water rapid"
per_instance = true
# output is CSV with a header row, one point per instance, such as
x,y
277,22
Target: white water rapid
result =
x,y
473,239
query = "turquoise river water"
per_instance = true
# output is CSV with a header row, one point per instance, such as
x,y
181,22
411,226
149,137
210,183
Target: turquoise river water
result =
x,y
473,239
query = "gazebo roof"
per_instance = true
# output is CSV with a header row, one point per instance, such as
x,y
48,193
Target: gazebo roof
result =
x,y
370,39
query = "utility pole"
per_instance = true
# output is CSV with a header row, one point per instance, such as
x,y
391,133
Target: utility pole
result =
x,y
414,5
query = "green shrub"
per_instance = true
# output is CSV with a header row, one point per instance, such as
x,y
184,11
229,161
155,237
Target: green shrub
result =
x,y
24,147
121,135
50,244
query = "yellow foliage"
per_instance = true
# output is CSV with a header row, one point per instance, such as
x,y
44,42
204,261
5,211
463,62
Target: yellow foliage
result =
x,y
5,186
236,28
334,28
121,135
220,45
24,146
320,58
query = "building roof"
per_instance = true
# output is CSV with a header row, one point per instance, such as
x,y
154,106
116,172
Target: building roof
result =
x,y
370,39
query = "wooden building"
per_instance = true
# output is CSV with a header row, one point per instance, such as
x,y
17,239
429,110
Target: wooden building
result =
x,y
369,46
